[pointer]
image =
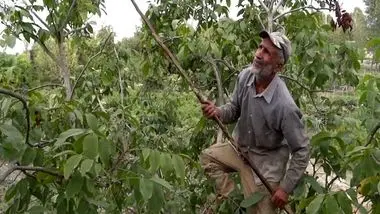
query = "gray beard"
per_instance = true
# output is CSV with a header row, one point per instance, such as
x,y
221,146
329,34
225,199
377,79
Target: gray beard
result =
x,y
262,73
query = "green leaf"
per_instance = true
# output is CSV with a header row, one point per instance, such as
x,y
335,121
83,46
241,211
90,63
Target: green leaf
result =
x,y
166,162
11,132
92,122
161,181
344,202
36,210
86,166
252,199
70,165
145,153
90,146
105,151
378,187
314,184
315,205
332,204
156,203
75,185
146,188
10,193
69,133
154,160
179,166
28,156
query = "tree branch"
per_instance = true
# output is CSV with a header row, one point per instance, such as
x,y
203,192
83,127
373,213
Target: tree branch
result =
x,y
264,6
35,14
67,17
87,64
297,9
29,168
277,6
372,134
41,86
331,182
25,104
303,87
220,99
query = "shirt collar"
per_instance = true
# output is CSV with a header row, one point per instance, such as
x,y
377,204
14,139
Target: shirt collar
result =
x,y
269,91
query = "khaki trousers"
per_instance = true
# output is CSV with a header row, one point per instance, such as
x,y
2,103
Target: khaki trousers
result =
x,y
221,159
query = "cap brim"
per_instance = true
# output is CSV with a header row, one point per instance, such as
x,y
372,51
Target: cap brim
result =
x,y
264,34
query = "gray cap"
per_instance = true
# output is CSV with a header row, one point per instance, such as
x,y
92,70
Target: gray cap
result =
x,y
280,41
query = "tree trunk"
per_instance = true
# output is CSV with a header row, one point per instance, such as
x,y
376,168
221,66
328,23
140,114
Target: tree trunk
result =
x,y
64,68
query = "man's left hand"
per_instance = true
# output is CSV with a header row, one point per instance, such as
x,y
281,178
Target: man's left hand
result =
x,y
280,198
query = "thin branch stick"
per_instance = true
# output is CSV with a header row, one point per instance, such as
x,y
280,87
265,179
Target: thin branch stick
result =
x,y
87,64
220,100
372,134
297,9
305,88
41,86
120,79
67,16
29,168
25,104
331,182
201,98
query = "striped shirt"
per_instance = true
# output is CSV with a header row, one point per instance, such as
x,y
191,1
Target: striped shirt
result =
x,y
269,127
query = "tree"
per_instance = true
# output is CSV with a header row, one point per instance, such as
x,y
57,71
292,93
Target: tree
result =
x,y
65,18
373,20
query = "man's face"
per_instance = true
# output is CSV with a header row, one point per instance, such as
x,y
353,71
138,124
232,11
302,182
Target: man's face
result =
x,y
266,59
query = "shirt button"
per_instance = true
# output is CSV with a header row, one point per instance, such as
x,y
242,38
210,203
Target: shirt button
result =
x,y
250,115
249,132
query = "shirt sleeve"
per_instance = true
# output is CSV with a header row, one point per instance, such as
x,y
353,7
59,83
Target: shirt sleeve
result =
x,y
230,111
294,133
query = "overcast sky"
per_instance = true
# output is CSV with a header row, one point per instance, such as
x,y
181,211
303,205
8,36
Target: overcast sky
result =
x,y
124,19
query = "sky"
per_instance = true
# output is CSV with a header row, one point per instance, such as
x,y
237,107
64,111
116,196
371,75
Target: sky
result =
x,y
124,19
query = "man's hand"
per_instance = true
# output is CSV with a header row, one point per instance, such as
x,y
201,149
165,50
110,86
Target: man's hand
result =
x,y
210,110
280,198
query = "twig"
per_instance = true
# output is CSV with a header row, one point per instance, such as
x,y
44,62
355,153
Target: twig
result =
x,y
120,79
25,104
372,134
297,9
87,64
42,86
220,99
277,6
29,168
331,182
202,99
305,88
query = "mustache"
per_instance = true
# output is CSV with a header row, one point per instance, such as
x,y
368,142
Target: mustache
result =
x,y
258,61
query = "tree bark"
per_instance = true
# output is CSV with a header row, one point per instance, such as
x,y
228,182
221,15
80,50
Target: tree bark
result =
x,y
64,68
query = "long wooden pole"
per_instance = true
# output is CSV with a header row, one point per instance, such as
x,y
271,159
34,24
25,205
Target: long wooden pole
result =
x,y
202,99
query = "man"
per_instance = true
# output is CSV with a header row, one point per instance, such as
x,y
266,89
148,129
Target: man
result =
x,y
268,129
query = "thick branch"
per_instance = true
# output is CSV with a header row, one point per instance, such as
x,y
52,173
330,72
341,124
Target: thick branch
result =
x,y
67,16
25,104
87,64
28,168
372,134
297,9
120,79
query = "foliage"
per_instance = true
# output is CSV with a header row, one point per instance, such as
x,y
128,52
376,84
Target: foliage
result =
x,y
129,142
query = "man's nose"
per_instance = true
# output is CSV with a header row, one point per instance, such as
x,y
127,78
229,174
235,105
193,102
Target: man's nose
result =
x,y
258,54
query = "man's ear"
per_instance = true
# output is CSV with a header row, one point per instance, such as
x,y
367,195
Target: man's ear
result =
x,y
279,67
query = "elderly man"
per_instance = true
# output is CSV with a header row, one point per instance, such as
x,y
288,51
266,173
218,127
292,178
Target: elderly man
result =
x,y
268,129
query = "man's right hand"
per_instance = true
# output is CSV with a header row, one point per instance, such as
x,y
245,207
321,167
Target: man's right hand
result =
x,y
210,110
